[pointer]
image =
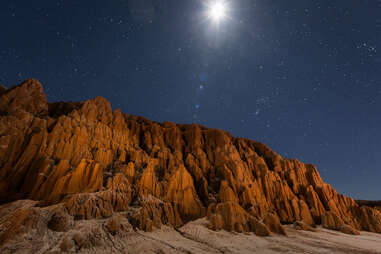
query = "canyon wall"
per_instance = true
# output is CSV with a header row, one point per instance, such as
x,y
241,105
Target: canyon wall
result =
x,y
85,161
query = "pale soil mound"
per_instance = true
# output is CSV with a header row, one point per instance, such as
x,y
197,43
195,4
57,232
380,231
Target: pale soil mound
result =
x,y
115,235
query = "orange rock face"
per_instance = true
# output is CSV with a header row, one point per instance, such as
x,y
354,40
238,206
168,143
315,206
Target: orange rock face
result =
x,y
93,162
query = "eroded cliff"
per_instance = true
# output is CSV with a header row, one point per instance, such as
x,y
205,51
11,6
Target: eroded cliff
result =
x,y
85,161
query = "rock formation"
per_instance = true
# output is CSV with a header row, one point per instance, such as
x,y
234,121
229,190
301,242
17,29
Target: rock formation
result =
x,y
76,161
374,204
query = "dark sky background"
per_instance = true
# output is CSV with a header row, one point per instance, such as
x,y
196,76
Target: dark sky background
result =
x,y
302,76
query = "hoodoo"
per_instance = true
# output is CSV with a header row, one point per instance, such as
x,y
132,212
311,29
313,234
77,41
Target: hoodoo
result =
x,y
64,162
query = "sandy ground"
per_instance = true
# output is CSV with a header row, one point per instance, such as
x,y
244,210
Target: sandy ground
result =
x,y
195,237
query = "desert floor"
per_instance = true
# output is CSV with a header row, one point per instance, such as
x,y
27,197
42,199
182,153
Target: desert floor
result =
x,y
196,238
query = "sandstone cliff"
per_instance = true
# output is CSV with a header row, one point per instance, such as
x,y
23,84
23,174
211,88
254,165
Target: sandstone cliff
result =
x,y
84,161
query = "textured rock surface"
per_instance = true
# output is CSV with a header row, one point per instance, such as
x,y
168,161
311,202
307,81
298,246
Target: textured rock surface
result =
x,y
299,225
92,162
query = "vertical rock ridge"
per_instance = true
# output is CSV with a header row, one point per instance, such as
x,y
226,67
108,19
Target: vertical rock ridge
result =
x,y
96,161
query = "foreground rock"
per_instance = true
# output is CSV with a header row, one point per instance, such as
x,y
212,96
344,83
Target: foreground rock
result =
x,y
84,161
116,235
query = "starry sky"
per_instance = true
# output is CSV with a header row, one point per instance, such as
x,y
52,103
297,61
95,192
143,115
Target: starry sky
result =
x,y
302,76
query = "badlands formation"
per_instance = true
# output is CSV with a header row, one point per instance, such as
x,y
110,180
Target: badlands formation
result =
x,y
80,177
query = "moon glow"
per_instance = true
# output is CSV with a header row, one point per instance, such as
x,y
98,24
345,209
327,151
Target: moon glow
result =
x,y
217,10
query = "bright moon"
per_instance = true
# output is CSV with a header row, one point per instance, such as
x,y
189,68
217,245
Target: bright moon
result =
x,y
217,10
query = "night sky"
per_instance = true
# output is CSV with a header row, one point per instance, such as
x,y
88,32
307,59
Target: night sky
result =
x,y
302,76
